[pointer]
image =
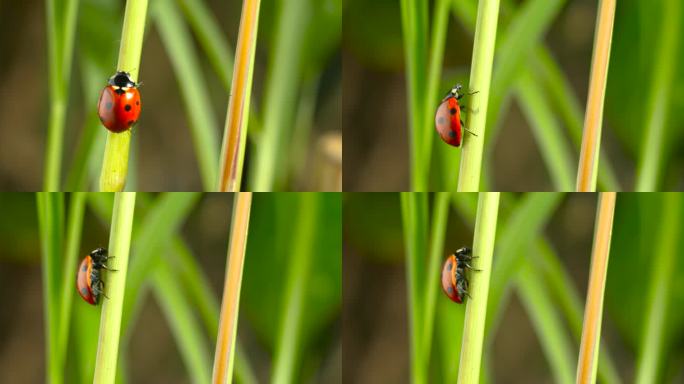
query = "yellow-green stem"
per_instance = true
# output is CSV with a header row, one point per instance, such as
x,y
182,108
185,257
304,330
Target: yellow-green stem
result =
x,y
115,164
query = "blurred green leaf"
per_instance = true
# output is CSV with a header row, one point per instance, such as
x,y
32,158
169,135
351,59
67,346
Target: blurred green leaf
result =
x,y
273,224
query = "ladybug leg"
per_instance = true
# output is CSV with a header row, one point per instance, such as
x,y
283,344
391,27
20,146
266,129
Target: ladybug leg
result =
x,y
101,288
113,270
468,130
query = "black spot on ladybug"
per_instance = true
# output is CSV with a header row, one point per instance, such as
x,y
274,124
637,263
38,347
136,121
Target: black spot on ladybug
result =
x,y
119,91
109,105
452,134
131,122
127,107
441,120
453,111
137,102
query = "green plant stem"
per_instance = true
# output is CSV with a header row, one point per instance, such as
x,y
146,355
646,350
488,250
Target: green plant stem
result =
x,y
60,39
188,334
414,218
115,163
476,308
437,44
414,27
73,243
201,118
546,322
547,262
112,308
281,89
480,78
546,131
288,344
438,232
211,38
51,222
658,105
653,342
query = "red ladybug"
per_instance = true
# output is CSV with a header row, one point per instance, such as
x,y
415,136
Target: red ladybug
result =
x,y
119,104
89,280
454,280
448,121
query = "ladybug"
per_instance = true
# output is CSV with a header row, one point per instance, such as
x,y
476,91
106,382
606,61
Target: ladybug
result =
x,y
454,280
448,122
119,104
89,280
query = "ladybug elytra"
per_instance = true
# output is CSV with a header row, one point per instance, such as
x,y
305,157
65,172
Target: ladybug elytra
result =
x,y
448,122
89,279
454,280
119,104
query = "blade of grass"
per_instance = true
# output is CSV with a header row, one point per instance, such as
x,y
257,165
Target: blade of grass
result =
x,y
546,131
203,126
112,308
438,229
546,322
437,43
593,312
480,78
654,344
73,242
51,222
61,27
476,308
562,287
281,89
115,164
414,27
230,305
527,220
210,37
235,132
414,218
287,356
162,220
658,104
593,119
564,98
191,342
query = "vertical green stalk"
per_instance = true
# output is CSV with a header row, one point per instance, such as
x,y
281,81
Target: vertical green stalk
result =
x,y
112,308
658,105
201,118
414,26
414,217
61,27
281,89
288,344
437,43
73,245
480,79
438,232
51,222
476,309
115,164
653,342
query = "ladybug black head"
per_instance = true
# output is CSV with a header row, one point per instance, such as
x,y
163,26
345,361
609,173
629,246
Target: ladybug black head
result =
x,y
99,254
455,91
122,80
